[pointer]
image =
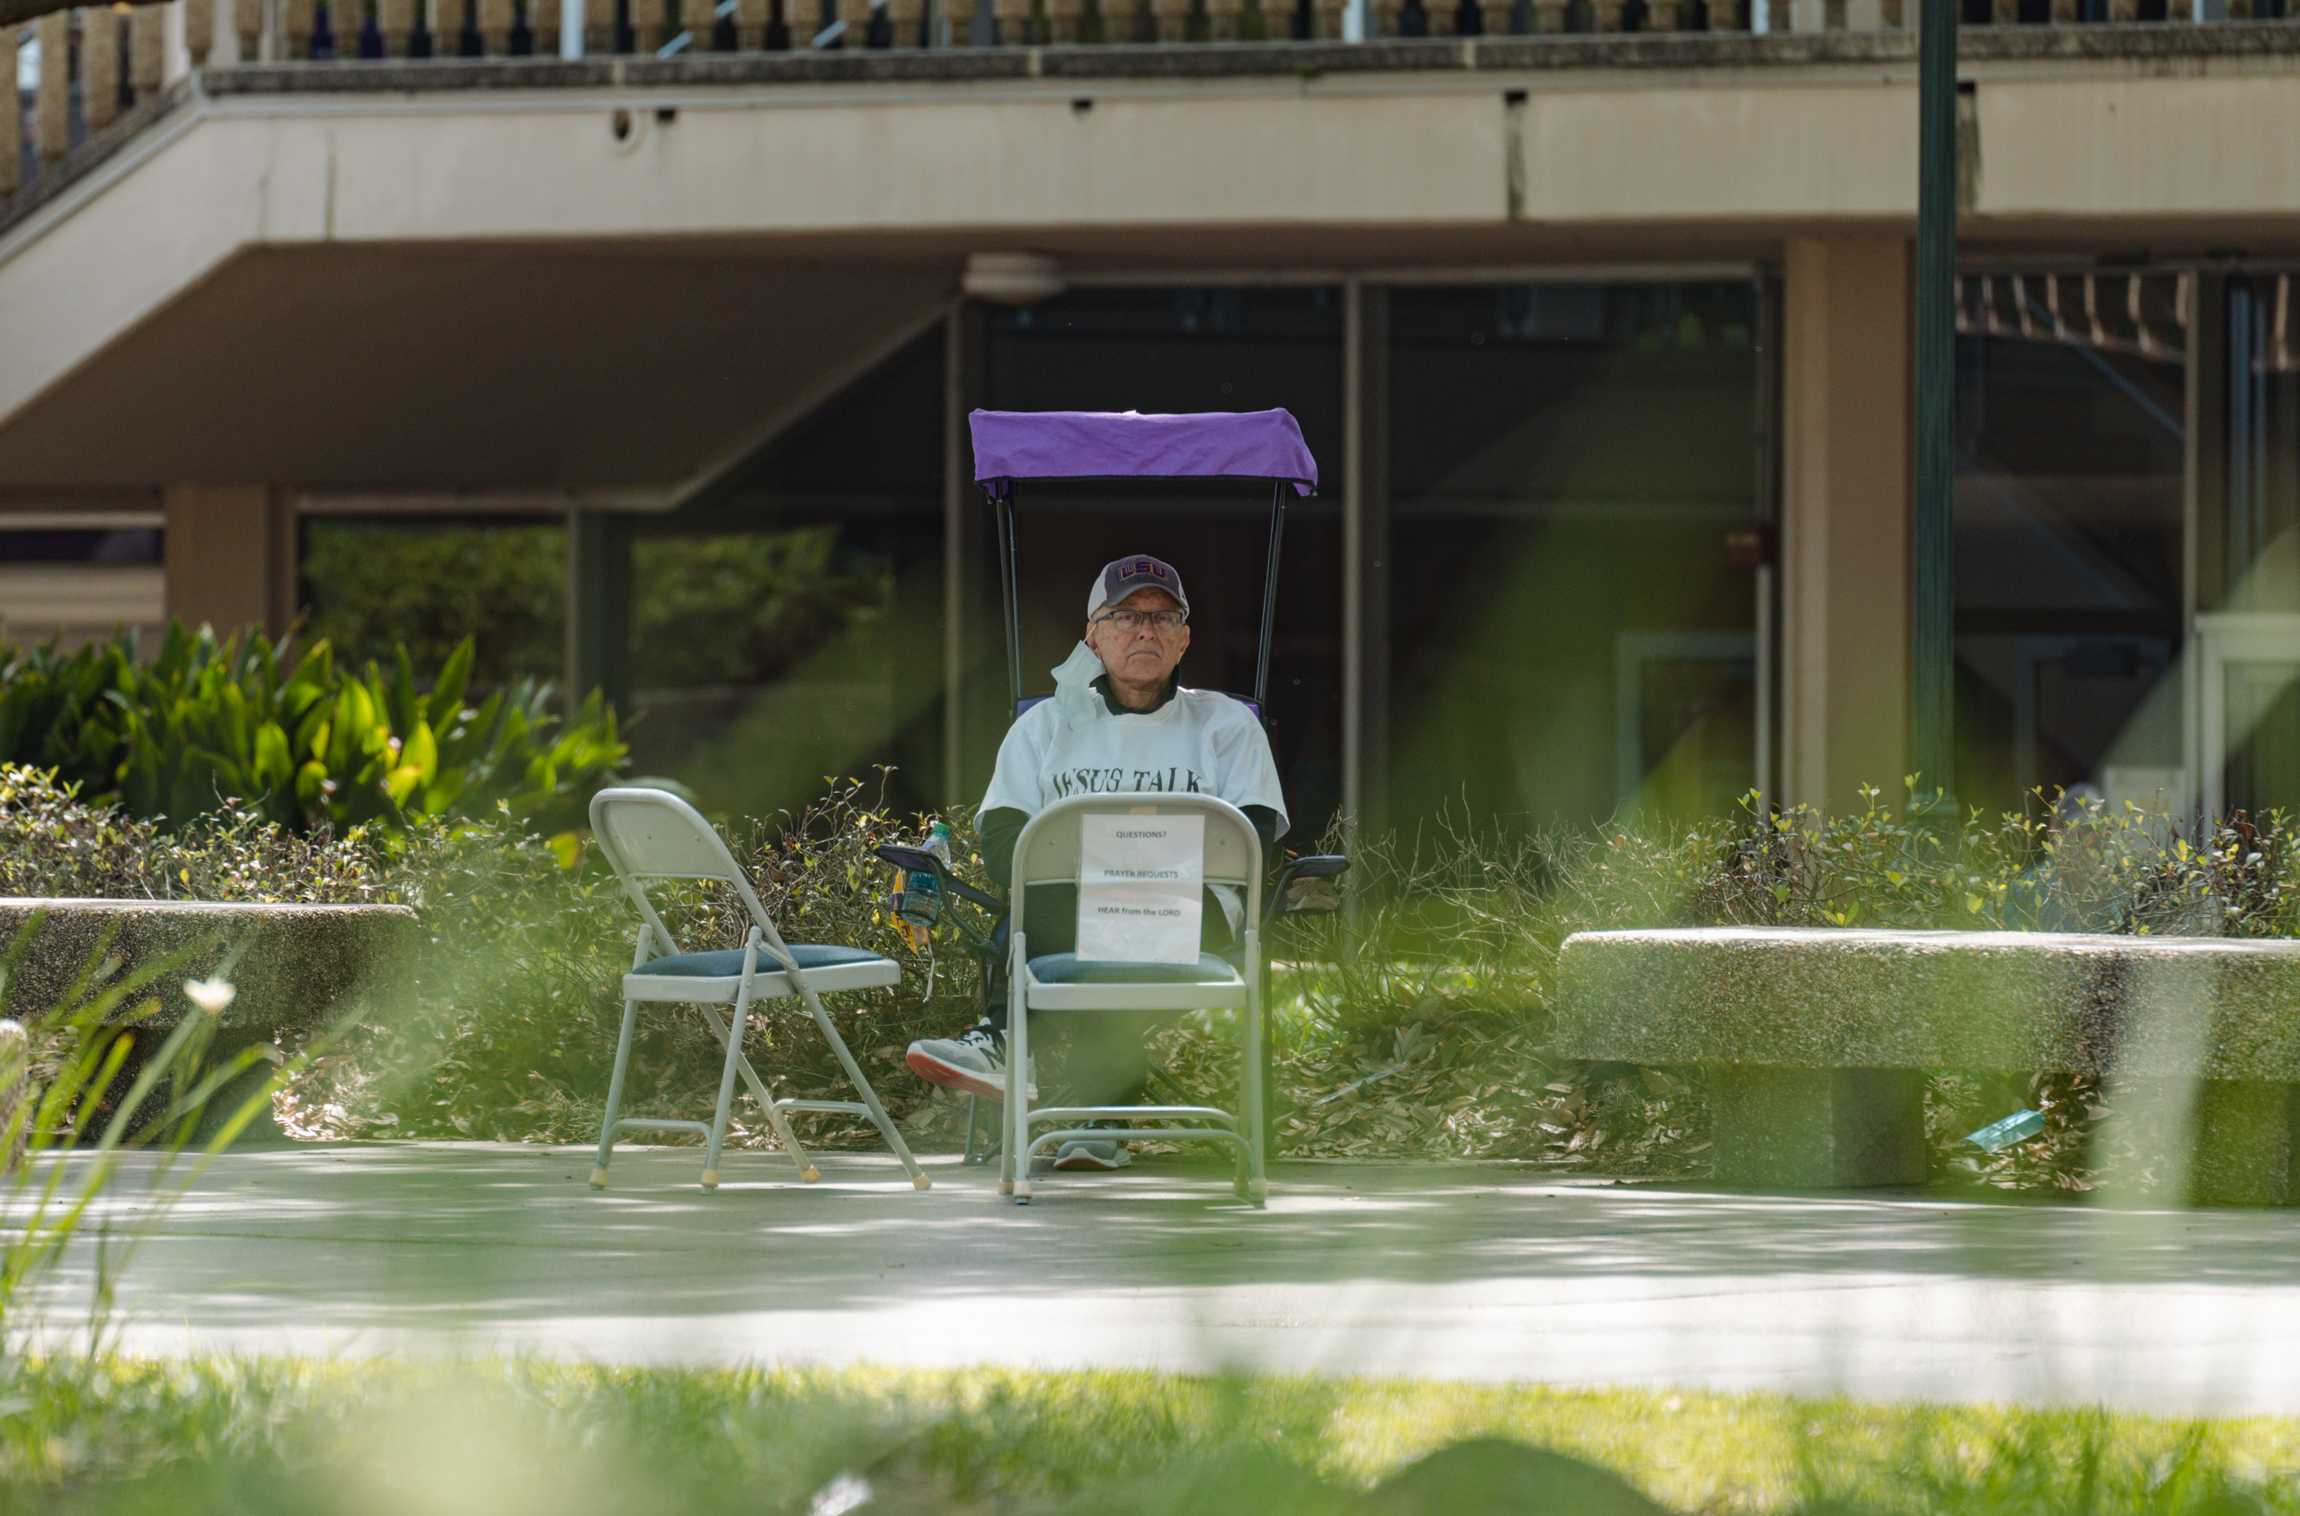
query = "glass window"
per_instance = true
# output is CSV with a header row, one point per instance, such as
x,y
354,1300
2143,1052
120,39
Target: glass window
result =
x,y
81,577
2071,451
1187,350
787,625
1568,463
102,545
429,582
2256,628
2263,728
2263,546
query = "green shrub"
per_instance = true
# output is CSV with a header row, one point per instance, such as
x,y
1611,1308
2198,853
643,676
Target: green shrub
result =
x,y
55,843
206,722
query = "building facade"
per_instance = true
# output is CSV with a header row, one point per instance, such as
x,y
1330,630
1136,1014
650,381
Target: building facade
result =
x,y
649,367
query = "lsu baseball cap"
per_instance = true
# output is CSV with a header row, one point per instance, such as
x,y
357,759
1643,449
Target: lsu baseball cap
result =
x,y
1123,576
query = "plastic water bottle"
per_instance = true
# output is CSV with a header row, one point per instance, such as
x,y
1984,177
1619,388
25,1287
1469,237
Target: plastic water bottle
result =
x,y
1998,1135
926,887
918,897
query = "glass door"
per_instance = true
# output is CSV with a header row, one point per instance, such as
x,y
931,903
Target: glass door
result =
x,y
2251,714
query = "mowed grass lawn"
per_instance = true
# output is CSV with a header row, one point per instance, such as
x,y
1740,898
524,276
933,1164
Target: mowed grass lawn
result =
x,y
271,1435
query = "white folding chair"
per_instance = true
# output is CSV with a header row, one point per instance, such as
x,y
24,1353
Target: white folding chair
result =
x,y
652,834
1048,853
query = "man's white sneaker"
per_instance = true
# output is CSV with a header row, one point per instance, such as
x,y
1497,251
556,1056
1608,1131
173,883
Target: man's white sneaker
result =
x,y
973,1061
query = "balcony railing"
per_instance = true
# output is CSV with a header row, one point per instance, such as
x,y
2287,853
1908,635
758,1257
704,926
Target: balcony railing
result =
x,y
80,72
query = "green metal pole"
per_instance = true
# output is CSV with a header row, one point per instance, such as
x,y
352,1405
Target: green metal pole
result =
x,y
1933,647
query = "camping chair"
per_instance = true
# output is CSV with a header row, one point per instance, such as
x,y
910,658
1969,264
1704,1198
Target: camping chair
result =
x,y
1048,853
652,834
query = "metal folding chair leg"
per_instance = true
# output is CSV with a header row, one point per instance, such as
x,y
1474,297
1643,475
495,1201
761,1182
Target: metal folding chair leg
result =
x,y
878,1115
614,1095
1252,1076
732,1035
775,1117
1017,1146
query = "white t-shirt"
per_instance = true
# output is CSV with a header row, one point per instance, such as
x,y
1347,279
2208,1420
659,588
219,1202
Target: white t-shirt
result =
x,y
1198,743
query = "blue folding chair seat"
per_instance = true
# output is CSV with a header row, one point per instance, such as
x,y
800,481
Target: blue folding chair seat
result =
x,y
1069,968
718,976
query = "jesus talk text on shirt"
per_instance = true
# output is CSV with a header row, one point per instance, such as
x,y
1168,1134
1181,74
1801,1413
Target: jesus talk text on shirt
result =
x,y
1166,781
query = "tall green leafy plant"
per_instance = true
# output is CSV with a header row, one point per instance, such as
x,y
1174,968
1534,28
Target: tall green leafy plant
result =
x,y
65,1084
304,742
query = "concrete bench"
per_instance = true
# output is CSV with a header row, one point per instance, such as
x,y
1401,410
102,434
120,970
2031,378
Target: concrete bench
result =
x,y
294,968
1816,1042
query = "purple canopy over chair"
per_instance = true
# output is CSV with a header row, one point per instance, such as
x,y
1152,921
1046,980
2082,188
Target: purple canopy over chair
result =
x,y
1011,445
1265,446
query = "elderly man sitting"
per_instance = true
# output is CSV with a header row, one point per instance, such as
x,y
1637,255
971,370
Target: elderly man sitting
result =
x,y
1118,722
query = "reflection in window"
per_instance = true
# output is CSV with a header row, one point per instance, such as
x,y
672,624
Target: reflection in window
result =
x,y
1567,465
763,661
428,583
2069,489
788,625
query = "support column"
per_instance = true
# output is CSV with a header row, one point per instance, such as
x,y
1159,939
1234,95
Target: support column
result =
x,y
975,714
1365,557
230,557
968,635
598,615
1846,518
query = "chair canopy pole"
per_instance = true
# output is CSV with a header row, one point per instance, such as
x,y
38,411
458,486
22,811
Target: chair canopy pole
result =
x,y
1010,581
1270,598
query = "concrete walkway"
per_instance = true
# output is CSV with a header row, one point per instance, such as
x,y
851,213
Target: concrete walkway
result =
x,y
1485,1272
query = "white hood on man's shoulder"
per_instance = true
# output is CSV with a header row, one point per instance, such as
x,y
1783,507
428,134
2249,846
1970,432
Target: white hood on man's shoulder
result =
x,y
1074,693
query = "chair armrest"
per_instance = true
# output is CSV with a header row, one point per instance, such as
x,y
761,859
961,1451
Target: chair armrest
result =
x,y
917,860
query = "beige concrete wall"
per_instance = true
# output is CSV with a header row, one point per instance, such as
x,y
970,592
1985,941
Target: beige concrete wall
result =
x,y
2169,145
1832,149
120,246
1846,497
1649,163
229,557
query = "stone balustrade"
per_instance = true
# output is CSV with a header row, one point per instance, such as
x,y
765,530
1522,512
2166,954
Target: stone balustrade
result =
x,y
89,67
114,57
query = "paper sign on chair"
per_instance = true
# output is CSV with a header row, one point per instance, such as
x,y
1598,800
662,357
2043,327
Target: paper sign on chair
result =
x,y
1141,882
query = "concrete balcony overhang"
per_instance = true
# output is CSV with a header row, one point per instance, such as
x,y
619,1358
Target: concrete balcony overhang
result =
x,y
615,275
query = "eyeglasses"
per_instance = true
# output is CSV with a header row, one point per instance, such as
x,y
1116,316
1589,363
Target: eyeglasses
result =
x,y
1134,621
